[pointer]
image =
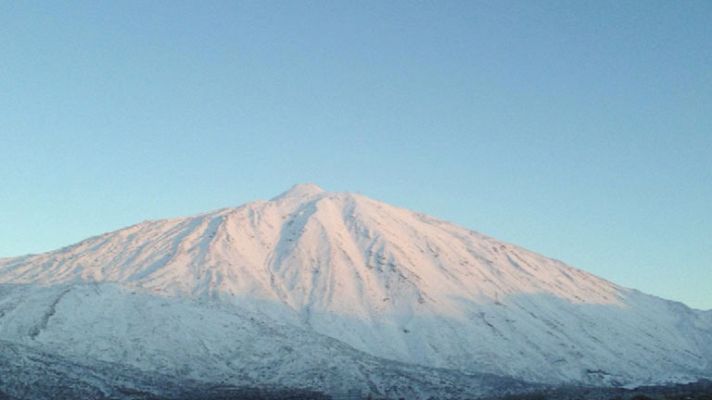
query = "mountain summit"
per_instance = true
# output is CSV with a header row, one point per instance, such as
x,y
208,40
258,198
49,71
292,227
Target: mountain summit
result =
x,y
301,191
311,269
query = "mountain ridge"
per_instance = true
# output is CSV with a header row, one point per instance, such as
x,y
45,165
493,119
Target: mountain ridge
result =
x,y
395,284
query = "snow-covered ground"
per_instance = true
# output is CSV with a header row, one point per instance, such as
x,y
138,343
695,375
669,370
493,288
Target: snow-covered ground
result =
x,y
97,325
272,290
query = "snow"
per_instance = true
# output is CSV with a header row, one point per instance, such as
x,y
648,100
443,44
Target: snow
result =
x,y
381,280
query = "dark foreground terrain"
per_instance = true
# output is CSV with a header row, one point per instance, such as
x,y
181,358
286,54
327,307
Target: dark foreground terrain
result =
x,y
700,390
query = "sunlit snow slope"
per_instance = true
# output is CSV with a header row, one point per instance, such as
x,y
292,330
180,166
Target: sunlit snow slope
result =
x,y
386,281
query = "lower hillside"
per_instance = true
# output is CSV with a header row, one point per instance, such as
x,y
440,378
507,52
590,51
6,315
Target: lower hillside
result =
x,y
29,374
103,341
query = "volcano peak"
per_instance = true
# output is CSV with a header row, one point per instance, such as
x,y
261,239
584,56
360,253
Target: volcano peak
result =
x,y
301,190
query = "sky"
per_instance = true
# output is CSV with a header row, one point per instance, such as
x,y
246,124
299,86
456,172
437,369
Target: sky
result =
x,y
578,129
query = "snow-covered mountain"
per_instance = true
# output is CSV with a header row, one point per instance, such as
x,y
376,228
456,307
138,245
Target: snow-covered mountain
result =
x,y
313,289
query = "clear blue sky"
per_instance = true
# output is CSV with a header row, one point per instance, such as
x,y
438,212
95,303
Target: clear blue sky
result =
x,y
579,129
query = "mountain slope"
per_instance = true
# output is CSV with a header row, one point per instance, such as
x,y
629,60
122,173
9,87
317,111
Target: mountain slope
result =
x,y
392,283
168,346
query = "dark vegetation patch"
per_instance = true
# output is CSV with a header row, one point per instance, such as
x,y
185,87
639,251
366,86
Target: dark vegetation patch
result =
x,y
700,390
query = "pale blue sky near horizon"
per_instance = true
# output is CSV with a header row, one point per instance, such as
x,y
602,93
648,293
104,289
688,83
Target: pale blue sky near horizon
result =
x,y
578,129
